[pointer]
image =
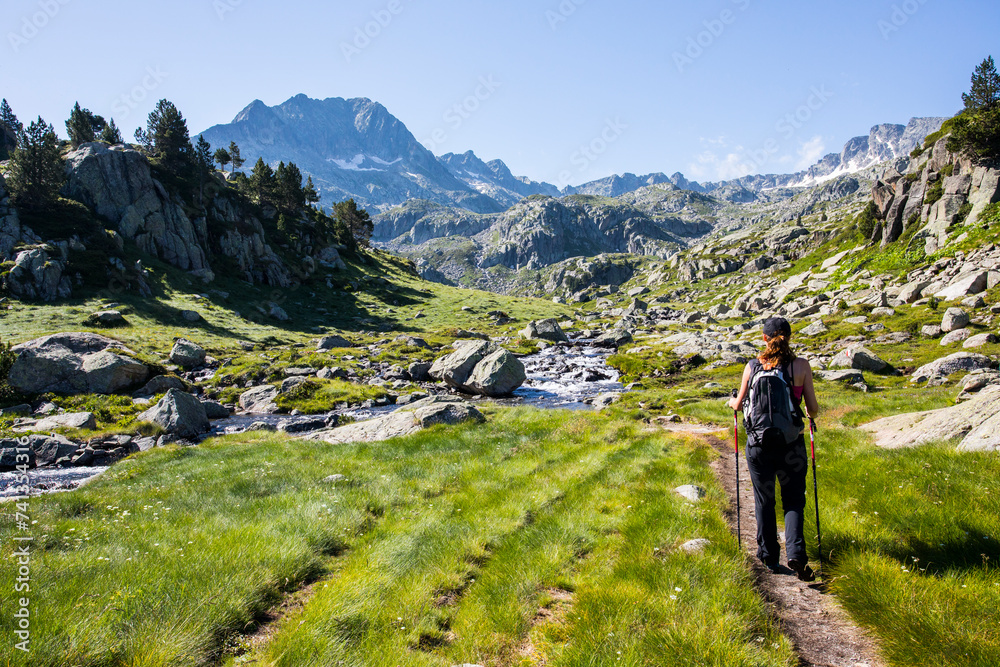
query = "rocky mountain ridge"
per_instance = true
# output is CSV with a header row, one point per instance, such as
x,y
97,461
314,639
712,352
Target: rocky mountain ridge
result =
x,y
352,148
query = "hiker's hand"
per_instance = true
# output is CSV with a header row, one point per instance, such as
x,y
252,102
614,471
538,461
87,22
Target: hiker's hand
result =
x,y
734,404
812,424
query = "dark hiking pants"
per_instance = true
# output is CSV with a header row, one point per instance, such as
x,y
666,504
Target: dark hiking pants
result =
x,y
785,466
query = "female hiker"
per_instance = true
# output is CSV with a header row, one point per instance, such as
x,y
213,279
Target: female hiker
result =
x,y
774,387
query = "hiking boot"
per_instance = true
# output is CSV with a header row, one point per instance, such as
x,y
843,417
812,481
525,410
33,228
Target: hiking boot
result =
x,y
773,568
802,570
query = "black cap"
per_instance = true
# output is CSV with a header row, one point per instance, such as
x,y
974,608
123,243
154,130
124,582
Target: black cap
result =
x,y
777,326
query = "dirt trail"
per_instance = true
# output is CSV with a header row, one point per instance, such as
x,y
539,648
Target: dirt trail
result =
x,y
823,634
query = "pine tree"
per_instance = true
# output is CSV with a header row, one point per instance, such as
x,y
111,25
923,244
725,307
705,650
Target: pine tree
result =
x,y
111,134
203,153
262,183
234,154
203,160
310,192
84,126
356,220
985,91
167,133
10,128
223,158
289,188
36,171
976,131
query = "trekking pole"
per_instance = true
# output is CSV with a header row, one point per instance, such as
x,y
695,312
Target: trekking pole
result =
x,y
736,448
819,533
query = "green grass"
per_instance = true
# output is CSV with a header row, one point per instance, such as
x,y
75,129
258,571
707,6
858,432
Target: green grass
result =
x,y
318,396
173,554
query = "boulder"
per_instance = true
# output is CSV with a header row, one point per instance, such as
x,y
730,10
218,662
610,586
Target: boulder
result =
x,y
817,328
498,374
161,384
958,362
291,383
406,420
956,336
976,422
848,377
47,448
979,340
954,319
931,331
259,400
972,282
545,330
690,492
912,292
178,414
35,276
455,368
614,338
9,454
278,313
413,341
187,354
107,319
419,371
333,343
215,410
334,373
75,363
83,420
190,315
858,358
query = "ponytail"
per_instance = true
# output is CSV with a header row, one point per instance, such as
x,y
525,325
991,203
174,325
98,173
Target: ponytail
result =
x,y
777,353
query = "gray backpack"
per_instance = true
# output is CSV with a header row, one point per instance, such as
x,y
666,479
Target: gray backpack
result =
x,y
770,415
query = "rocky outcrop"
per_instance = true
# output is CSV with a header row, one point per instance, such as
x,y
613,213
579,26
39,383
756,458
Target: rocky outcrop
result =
x,y
75,363
37,276
976,422
10,223
178,414
941,190
955,363
117,183
404,421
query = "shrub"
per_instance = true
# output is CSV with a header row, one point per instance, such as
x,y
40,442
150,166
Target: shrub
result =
x,y
933,303
963,213
934,193
7,357
866,220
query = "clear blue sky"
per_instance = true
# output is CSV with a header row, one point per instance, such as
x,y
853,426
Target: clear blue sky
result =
x,y
564,72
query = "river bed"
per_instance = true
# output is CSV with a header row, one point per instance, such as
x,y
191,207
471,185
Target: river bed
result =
x,y
559,378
